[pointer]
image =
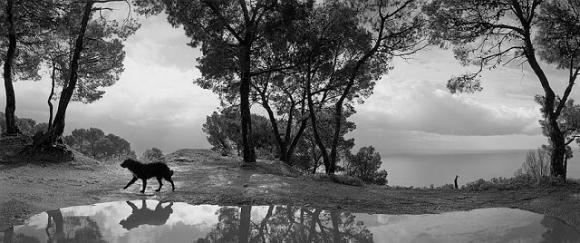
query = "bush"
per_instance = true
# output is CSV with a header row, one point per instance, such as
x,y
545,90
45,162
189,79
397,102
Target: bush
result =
x,y
153,155
365,165
340,179
537,164
517,182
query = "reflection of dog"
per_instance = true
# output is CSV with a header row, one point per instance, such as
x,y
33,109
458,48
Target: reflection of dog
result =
x,y
146,171
143,215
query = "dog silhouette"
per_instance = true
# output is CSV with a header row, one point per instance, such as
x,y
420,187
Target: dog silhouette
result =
x,y
146,216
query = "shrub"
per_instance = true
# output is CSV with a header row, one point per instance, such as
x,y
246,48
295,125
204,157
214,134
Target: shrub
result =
x,y
153,155
365,165
537,164
517,182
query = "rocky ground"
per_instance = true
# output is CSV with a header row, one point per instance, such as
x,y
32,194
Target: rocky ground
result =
x,y
203,177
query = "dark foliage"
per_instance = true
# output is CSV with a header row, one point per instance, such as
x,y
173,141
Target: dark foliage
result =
x,y
365,165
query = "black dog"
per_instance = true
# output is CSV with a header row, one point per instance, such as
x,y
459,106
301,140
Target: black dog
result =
x,y
146,171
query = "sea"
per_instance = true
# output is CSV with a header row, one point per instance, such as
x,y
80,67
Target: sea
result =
x,y
438,168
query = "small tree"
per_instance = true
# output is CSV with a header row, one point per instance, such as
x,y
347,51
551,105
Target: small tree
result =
x,y
93,142
26,126
365,165
22,30
537,163
153,155
87,53
224,131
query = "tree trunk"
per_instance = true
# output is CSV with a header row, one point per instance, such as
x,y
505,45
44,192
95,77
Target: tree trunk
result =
x,y
313,121
57,129
263,226
294,143
565,168
11,127
49,101
281,143
248,146
245,224
58,219
8,234
313,218
557,140
339,103
335,218
558,151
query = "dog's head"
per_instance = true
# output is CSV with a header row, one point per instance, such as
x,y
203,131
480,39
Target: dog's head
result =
x,y
126,163
127,225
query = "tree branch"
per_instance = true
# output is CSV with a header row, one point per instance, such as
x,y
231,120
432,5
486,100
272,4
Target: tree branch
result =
x,y
225,22
571,81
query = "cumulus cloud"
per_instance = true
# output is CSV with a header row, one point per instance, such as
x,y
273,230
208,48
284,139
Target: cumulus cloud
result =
x,y
157,43
427,108
413,97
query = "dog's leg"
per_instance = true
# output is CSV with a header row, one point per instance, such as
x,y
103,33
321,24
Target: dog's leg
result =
x,y
131,182
160,184
133,207
172,186
144,185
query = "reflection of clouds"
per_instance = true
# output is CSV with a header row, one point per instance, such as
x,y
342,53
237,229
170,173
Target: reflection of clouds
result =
x,y
480,225
35,227
186,223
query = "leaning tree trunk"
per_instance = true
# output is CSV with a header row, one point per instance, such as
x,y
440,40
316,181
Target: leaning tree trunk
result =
x,y
340,102
558,151
282,144
248,146
11,127
49,101
57,128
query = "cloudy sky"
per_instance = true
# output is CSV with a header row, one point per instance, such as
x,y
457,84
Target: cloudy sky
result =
x,y
155,103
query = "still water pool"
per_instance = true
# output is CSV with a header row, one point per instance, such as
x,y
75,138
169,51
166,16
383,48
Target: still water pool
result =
x,y
168,222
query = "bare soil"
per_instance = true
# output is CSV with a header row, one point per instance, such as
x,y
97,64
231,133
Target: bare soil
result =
x,y
203,177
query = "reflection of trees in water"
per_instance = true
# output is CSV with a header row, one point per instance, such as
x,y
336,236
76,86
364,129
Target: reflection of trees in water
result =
x,y
72,228
286,224
9,237
558,231
61,229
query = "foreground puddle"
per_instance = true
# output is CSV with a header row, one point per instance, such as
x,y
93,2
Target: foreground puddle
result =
x,y
152,221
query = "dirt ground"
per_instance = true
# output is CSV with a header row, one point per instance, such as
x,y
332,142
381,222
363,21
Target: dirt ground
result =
x,y
202,177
